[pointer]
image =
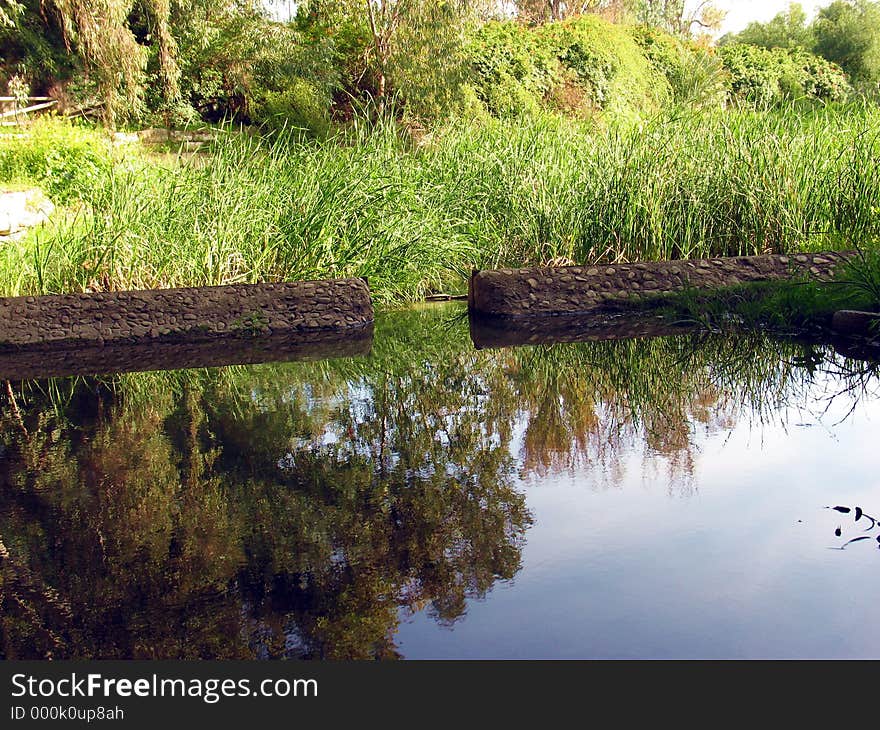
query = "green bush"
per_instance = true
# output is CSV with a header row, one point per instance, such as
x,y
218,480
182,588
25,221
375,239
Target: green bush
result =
x,y
582,64
300,106
695,74
764,77
65,159
822,79
512,69
244,67
665,52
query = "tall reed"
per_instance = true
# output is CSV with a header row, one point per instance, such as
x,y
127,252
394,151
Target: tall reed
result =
x,y
414,217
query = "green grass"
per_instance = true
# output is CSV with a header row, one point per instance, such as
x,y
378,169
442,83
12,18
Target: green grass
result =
x,y
787,306
67,160
416,218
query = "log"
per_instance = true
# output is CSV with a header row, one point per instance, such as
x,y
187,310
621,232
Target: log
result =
x,y
567,290
190,314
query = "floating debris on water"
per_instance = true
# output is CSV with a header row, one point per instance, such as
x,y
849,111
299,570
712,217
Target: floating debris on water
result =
x,y
858,513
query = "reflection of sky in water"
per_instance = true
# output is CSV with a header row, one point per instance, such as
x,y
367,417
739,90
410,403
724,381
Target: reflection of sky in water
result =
x,y
738,566
300,509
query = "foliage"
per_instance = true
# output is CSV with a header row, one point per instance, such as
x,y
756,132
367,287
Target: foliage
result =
x,y
10,10
96,42
513,69
428,66
300,106
847,32
32,46
110,53
67,160
240,65
788,29
176,61
542,11
408,50
578,65
695,74
343,37
764,77
193,60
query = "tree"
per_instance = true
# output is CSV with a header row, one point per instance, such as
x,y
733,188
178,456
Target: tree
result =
x,y
99,34
169,71
236,61
847,32
9,11
542,11
674,16
788,29
385,18
32,47
417,43
410,48
112,57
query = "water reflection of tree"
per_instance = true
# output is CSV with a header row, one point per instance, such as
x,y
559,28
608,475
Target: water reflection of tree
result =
x,y
591,404
299,510
211,524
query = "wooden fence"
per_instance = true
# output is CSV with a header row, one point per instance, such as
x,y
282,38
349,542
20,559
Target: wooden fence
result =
x,y
12,113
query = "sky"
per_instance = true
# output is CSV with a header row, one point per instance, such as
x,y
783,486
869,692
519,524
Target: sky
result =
x,y
742,12
739,12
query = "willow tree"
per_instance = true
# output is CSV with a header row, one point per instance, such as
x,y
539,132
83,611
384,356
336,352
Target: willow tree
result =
x,y
9,11
99,32
169,72
416,47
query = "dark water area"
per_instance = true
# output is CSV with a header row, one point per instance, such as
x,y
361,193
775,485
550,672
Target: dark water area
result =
x,y
655,498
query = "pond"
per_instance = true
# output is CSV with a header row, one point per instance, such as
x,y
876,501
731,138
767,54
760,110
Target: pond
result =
x,y
655,498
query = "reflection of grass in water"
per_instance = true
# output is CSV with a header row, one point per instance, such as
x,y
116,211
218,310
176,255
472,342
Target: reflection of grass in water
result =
x,y
576,397
207,492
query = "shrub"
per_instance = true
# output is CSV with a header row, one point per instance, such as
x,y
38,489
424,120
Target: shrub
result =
x,y
512,68
250,69
585,62
763,77
63,158
822,79
696,76
301,105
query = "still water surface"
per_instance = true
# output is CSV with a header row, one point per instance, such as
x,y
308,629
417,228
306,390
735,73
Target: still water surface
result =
x,y
640,499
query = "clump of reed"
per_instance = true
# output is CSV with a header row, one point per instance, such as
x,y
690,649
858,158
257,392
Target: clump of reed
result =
x,y
415,217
